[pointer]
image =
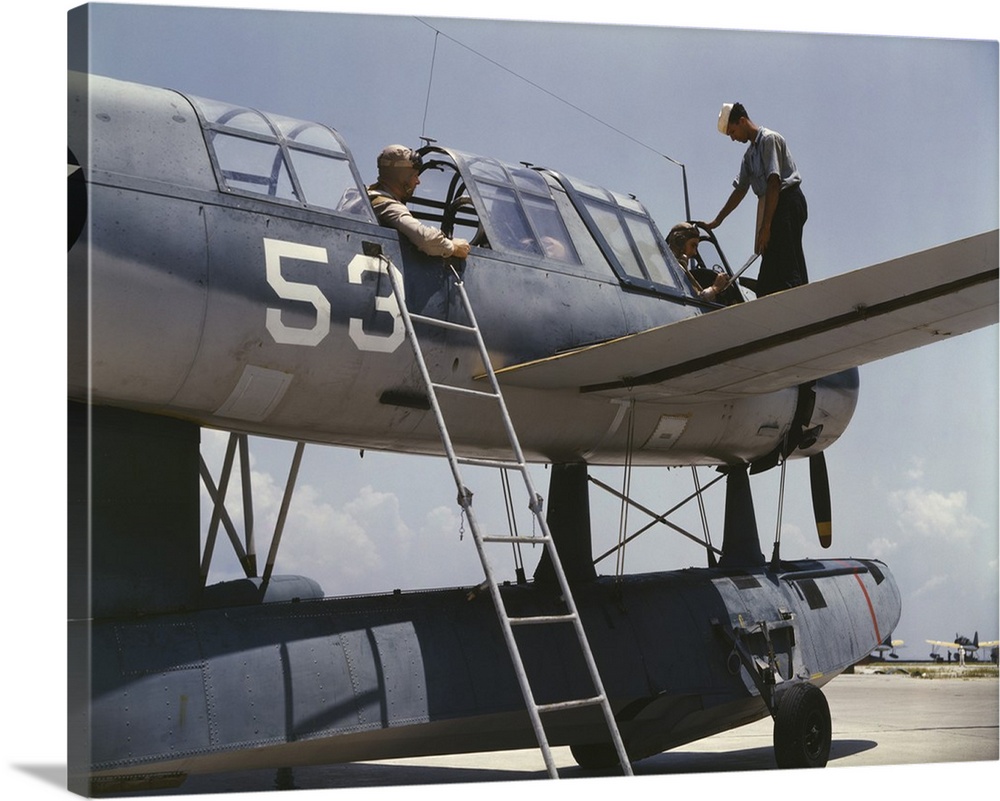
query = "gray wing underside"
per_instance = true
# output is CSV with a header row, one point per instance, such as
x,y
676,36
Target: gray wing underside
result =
x,y
791,337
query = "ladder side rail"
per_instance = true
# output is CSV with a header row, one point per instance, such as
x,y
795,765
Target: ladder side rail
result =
x,y
494,383
514,650
588,656
466,503
534,502
465,500
519,456
535,506
397,289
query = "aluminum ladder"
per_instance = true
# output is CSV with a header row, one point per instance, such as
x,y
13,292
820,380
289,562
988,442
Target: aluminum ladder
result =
x,y
507,623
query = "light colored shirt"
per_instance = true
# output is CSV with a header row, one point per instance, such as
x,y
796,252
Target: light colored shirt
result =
x,y
767,155
394,214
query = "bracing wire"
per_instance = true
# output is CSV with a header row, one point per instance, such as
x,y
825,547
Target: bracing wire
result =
x,y
781,511
656,518
512,525
626,489
704,517
430,84
548,92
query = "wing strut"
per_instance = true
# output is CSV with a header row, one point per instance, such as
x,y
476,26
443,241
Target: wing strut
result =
x,y
246,555
507,622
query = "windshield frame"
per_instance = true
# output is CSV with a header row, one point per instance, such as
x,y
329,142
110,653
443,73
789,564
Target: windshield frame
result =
x,y
614,220
292,143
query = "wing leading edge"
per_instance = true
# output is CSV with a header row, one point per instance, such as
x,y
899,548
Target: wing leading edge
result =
x,y
791,337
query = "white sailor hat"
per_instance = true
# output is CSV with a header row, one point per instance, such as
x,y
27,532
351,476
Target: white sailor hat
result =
x,y
727,109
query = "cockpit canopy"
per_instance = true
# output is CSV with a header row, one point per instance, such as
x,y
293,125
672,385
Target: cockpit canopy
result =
x,y
520,212
288,160
536,212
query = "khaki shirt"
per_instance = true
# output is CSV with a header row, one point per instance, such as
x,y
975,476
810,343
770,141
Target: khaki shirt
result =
x,y
393,214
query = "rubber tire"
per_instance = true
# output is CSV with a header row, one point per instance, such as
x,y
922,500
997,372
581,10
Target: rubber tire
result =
x,y
595,756
802,728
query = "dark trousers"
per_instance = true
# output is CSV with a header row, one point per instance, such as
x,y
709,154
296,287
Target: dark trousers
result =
x,y
784,264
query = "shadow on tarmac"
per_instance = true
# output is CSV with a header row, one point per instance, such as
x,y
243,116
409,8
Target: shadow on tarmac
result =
x,y
373,775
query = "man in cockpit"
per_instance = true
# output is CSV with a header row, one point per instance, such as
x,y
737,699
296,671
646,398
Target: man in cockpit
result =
x,y
398,177
683,242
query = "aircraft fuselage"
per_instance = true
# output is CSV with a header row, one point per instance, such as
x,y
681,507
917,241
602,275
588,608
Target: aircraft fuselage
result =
x,y
250,312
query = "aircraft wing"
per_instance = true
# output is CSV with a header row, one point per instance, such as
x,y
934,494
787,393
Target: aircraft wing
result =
x,y
791,337
944,644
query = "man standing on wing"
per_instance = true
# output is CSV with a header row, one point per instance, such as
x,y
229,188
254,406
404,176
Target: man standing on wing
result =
x,y
768,169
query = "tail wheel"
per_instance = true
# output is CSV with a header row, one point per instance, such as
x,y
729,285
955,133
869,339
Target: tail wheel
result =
x,y
802,728
595,756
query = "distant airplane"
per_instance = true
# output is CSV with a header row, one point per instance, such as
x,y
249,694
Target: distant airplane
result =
x,y
887,646
965,649
217,280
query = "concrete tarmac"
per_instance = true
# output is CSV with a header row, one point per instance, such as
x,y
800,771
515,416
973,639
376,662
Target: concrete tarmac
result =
x,y
878,720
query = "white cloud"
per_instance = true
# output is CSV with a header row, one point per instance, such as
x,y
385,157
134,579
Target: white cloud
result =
x,y
356,548
328,544
323,540
931,585
882,547
916,471
340,530
441,521
935,514
378,512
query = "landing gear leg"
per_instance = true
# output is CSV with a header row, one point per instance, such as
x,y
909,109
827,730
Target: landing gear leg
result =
x,y
802,728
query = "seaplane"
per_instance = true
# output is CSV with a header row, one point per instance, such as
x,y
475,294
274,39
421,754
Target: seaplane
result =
x,y
964,648
218,280
886,648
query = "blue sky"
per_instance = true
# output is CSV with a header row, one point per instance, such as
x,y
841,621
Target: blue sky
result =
x,y
896,139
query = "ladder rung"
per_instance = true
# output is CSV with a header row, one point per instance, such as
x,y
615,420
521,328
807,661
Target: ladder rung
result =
x,y
464,391
476,462
541,620
419,318
573,704
522,538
